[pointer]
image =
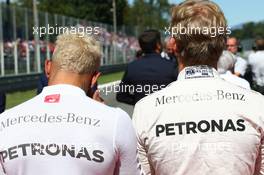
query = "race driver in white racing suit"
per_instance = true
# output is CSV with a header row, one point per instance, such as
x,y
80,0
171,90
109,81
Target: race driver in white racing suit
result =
x,y
62,131
200,124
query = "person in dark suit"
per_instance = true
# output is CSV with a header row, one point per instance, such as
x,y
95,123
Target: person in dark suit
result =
x,y
148,74
43,79
2,102
43,82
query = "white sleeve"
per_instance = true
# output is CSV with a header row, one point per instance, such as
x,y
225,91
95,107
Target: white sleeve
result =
x,y
126,146
240,66
138,123
250,59
259,166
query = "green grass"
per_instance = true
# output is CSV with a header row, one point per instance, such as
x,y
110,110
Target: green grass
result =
x,y
16,98
110,77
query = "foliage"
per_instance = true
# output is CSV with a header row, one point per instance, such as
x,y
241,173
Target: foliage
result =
x,y
142,13
149,14
250,30
91,10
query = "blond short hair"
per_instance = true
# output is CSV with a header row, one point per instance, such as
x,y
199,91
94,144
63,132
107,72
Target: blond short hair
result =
x,y
199,48
77,53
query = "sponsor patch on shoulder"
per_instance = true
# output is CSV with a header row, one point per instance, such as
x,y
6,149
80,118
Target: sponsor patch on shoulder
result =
x,y
54,98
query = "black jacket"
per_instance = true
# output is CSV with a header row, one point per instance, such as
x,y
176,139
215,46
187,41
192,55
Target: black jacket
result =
x,y
43,82
148,74
2,102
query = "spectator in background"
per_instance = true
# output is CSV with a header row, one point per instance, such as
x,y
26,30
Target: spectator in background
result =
x,y
256,62
241,64
43,79
2,102
170,49
225,67
164,53
148,74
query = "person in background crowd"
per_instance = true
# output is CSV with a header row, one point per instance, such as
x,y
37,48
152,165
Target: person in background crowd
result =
x,y
241,64
43,79
64,131
148,74
200,124
164,52
170,50
2,102
256,62
225,67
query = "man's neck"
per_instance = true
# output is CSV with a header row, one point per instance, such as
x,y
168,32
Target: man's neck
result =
x,y
64,77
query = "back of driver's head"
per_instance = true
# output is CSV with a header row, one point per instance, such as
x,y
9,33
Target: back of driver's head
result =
x,y
77,53
199,43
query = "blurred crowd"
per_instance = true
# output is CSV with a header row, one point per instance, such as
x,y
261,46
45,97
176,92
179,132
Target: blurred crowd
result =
x,y
106,38
121,40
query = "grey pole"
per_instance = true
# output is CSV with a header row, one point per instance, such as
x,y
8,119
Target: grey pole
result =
x,y
36,37
27,39
15,40
2,43
114,25
47,36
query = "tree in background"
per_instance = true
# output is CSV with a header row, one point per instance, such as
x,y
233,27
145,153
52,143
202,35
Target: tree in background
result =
x,y
91,10
250,30
148,14
142,14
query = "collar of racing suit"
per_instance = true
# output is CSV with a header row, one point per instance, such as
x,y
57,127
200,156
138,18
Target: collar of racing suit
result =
x,y
63,88
200,71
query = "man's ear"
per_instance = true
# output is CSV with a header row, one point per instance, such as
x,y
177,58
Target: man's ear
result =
x,y
47,67
95,77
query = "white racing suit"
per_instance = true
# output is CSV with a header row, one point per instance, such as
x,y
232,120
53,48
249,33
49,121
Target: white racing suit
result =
x,y
200,125
63,132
